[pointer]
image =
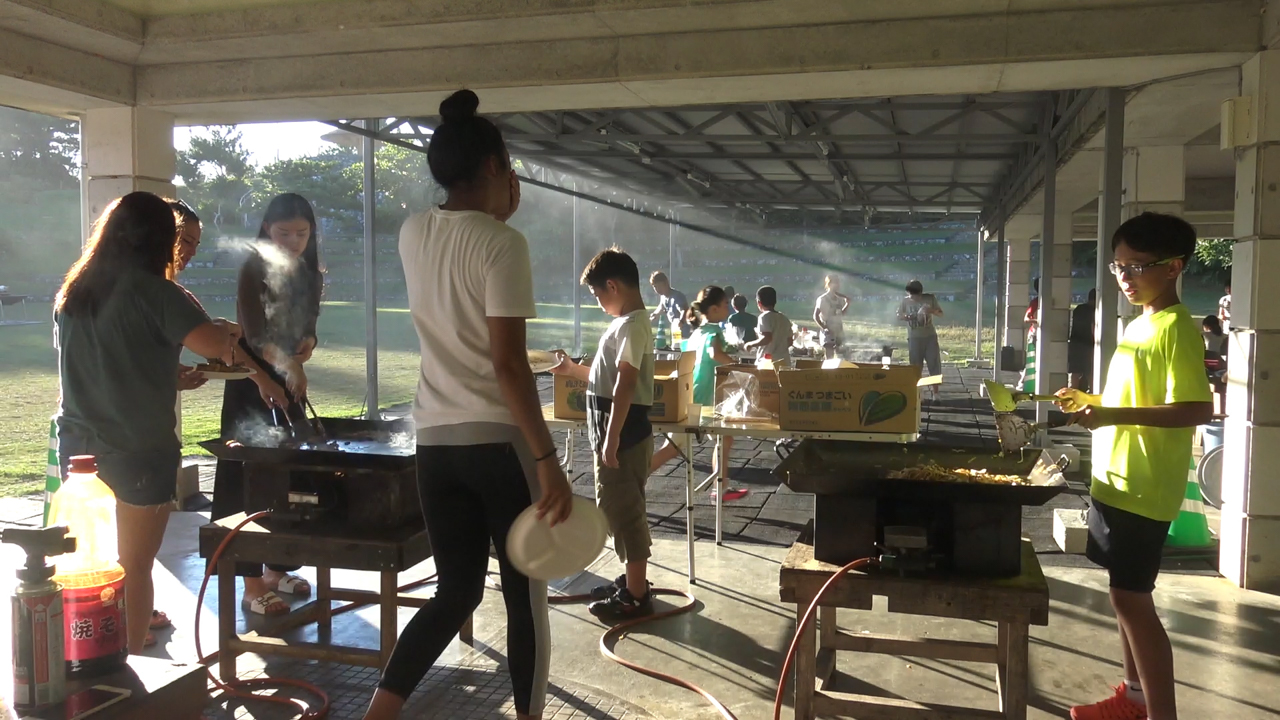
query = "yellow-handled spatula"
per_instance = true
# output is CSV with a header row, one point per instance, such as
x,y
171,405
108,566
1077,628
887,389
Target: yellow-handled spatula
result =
x,y
1005,400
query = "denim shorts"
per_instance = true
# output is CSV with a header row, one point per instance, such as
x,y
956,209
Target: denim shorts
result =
x,y
142,479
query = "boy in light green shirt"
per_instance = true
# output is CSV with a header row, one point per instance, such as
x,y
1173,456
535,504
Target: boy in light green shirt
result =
x,y
1156,392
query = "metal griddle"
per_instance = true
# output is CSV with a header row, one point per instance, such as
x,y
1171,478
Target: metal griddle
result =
x,y
349,443
959,527
832,467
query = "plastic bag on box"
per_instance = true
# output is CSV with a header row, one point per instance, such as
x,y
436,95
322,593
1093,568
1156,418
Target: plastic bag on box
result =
x,y
742,399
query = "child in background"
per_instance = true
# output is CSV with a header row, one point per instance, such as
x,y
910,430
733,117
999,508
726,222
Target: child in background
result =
x,y
829,315
1155,394
917,310
774,329
619,395
704,316
744,321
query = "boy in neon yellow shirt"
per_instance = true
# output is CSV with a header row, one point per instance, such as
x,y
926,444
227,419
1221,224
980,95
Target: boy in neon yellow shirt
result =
x,y
1156,392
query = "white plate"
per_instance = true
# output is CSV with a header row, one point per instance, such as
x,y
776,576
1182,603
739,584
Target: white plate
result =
x,y
214,375
549,553
541,361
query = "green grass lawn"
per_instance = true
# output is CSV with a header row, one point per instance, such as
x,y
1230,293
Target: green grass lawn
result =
x,y
28,374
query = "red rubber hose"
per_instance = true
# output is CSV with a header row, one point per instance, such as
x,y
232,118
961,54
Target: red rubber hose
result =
x,y
804,622
244,688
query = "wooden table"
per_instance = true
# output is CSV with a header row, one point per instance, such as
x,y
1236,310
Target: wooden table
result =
x,y
1014,604
387,553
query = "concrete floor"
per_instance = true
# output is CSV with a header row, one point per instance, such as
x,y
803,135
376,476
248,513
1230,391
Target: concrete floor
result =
x,y
1226,640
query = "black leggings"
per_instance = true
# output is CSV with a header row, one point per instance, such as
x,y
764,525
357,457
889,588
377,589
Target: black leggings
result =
x,y
470,495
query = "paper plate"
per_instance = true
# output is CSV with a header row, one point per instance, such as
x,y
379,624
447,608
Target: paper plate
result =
x,y
541,361
215,375
549,553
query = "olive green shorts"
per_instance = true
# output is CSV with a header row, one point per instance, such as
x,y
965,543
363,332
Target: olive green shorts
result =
x,y
620,495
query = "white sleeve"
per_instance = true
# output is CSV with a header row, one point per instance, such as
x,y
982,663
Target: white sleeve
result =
x,y
508,288
631,345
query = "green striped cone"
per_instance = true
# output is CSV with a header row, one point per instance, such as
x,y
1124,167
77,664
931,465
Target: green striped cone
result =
x,y
52,471
1190,529
1029,375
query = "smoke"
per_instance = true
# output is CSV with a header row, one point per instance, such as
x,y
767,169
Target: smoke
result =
x,y
286,302
255,432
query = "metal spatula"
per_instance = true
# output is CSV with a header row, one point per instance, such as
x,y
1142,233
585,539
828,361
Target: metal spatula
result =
x,y
1016,432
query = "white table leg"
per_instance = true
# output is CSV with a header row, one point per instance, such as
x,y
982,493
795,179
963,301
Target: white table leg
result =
x,y
720,488
688,502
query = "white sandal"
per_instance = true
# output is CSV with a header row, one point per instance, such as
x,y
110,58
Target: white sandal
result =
x,y
258,606
291,583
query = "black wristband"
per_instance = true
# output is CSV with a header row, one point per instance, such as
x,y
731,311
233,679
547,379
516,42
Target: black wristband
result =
x,y
548,456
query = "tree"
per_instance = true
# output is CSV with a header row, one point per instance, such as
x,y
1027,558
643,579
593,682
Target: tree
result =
x,y
218,180
326,179
40,151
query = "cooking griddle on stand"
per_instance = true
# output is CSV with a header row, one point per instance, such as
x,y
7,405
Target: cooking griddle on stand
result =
x,y
362,474
959,527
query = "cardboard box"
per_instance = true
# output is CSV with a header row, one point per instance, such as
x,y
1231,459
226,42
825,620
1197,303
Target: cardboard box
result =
x,y
672,392
851,398
1071,530
806,364
768,384
672,388
569,397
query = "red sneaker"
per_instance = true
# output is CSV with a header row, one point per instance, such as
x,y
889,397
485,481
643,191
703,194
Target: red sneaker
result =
x,y
1116,707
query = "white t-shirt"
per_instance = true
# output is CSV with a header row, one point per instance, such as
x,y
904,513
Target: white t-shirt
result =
x,y
779,348
830,306
629,339
460,268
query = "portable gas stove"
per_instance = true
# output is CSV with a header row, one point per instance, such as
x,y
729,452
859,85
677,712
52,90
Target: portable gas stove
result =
x,y
360,474
918,526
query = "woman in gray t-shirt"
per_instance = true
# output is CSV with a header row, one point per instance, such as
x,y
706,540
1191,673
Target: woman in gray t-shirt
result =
x,y
121,323
917,310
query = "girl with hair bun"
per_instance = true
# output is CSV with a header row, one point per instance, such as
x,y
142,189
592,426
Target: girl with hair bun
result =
x,y
707,342
484,451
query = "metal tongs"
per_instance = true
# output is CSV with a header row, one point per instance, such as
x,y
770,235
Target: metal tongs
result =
x,y
315,418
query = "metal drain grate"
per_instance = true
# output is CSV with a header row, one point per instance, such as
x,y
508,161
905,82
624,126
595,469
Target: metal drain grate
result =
x,y
449,691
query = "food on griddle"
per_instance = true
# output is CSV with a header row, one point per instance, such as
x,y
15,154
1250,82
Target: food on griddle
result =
x,y
217,366
934,472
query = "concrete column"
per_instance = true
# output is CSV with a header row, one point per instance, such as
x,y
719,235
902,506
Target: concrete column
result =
x,y
1055,310
1110,197
1155,180
1017,292
1250,541
125,149
977,300
1002,275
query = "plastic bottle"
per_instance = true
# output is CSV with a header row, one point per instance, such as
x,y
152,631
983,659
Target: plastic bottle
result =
x,y
660,339
91,577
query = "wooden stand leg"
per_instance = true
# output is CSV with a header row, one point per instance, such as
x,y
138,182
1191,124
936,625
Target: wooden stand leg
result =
x,y
324,595
390,606
826,664
806,661
227,607
465,633
1017,674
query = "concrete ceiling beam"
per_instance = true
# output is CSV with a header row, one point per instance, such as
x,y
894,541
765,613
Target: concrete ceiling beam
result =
x,y
90,26
53,75
972,55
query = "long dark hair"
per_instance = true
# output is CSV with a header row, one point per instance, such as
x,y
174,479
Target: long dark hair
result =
x,y
138,231
708,297
292,206
463,141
